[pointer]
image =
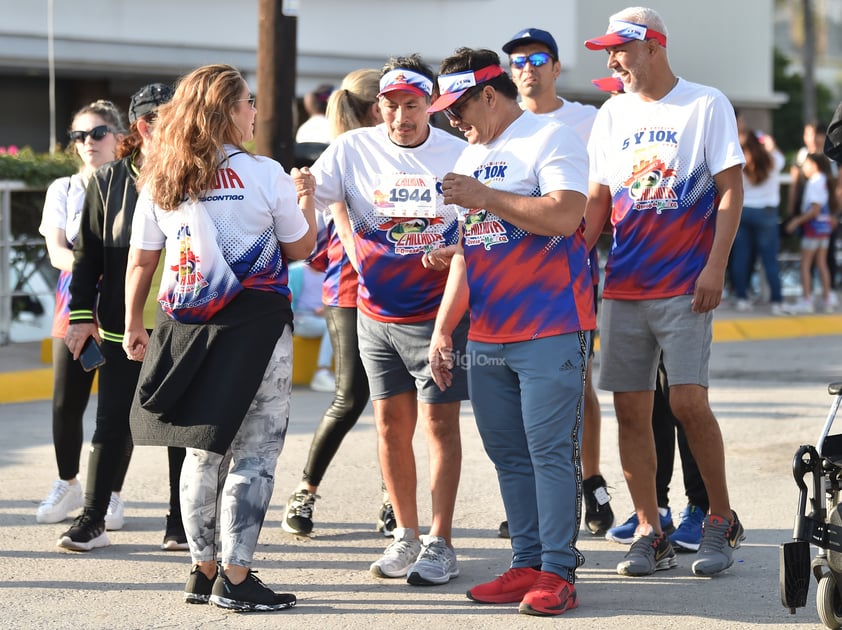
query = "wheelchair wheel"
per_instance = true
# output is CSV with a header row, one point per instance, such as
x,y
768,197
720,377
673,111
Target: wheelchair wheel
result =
x,y
829,603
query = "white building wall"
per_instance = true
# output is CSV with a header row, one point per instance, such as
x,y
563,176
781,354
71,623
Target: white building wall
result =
x,y
725,43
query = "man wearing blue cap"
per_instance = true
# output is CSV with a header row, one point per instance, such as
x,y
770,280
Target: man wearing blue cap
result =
x,y
535,67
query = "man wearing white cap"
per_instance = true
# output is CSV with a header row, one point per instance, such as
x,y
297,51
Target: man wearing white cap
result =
x,y
398,231
666,164
522,272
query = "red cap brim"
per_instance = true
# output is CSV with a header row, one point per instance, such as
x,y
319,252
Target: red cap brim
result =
x,y
402,87
604,41
445,100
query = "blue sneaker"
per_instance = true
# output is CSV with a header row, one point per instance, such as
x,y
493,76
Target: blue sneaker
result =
x,y
624,534
688,535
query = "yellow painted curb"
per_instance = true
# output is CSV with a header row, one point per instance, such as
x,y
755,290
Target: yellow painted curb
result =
x,y
31,385
765,328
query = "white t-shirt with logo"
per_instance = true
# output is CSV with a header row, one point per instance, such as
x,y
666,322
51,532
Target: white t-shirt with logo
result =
x,y
658,159
394,285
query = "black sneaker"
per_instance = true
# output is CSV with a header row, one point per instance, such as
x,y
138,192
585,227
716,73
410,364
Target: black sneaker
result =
x,y
86,533
599,517
174,537
249,595
503,530
386,521
198,588
298,516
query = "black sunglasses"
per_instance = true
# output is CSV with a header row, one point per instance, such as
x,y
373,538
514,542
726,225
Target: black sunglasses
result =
x,y
97,133
454,112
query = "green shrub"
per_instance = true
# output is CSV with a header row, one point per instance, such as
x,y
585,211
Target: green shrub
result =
x,y
35,169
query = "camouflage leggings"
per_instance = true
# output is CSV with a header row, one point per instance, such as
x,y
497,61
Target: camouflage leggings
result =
x,y
224,498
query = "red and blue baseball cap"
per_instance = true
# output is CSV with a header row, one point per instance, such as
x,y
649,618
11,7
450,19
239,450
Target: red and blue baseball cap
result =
x,y
531,36
406,80
452,86
621,31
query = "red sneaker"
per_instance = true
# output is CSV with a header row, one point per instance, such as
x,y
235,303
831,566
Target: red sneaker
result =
x,y
507,588
550,595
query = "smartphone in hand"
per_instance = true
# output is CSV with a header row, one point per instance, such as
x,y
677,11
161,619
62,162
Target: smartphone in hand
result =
x,y
91,357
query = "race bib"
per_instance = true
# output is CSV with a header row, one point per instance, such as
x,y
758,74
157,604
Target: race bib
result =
x,y
405,196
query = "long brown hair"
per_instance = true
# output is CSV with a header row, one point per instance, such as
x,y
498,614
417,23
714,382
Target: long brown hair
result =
x,y
190,133
759,163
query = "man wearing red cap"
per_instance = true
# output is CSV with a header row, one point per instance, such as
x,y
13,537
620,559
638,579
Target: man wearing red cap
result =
x,y
666,163
398,231
522,271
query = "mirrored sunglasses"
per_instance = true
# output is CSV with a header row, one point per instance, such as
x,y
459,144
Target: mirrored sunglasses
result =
x,y
535,60
97,133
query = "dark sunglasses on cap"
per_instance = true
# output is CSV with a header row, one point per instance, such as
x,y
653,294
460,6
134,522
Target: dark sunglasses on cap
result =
x,y
535,59
97,133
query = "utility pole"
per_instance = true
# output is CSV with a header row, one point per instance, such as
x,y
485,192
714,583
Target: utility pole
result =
x,y
276,64
809,61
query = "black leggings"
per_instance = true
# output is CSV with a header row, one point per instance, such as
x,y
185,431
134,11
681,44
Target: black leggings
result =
x,y
71,392
665,426
349,399
111,445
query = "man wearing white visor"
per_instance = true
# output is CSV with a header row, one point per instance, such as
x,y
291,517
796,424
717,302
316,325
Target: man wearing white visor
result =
x,y
666,165
522,271
400,234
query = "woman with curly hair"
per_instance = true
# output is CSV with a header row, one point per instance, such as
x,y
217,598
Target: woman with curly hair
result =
x,y
217,370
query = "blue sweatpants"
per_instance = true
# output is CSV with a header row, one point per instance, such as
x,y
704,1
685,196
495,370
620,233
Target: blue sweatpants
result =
x,y
527,399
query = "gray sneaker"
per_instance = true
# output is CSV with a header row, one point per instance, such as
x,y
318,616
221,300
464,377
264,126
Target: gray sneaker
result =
x,y
649,553
399,556
436,563
719,539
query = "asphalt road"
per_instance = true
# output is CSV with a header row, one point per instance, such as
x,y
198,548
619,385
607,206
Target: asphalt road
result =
x,y
770,397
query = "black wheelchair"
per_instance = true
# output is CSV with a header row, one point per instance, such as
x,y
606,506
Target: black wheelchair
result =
x,y
818,475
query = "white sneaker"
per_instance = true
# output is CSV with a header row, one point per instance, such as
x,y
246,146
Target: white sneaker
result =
x,y
64,497
804,305
830,303
436,563
779,309
399,556
323,381
114,517
743,306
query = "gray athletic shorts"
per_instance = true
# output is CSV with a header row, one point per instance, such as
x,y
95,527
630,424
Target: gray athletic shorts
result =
x,y
633,333
396,359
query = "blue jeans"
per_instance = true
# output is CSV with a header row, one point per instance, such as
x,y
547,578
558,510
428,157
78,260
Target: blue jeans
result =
x,y
757,235
527,399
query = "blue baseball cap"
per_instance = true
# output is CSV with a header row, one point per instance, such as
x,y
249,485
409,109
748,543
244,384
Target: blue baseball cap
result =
x,y
529,36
